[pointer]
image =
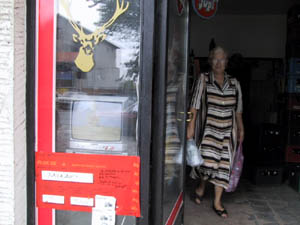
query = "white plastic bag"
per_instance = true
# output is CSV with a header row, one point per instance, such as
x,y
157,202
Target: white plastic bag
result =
x,y
193,154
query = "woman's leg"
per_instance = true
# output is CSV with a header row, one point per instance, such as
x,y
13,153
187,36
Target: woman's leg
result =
x,y
217,202
199,192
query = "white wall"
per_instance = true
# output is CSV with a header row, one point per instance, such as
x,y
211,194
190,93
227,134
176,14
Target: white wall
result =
x,y
19,121
251,35
6,116
12,113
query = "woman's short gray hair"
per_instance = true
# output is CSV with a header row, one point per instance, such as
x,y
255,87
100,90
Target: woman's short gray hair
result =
x,y
213,52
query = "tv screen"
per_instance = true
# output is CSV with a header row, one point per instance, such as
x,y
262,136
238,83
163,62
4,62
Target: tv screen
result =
x,y
96,120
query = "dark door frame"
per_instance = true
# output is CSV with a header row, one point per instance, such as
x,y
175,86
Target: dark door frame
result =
x,y
145,105
30,108
158,115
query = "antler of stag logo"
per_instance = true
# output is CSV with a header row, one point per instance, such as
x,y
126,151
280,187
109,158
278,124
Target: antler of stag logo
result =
x,y
85,58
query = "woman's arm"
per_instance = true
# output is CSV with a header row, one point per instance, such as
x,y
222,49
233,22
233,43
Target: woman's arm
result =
x,y
240,127
191,125
239,114
195,105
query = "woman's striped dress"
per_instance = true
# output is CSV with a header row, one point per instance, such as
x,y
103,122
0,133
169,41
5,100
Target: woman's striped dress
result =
x,y
217,145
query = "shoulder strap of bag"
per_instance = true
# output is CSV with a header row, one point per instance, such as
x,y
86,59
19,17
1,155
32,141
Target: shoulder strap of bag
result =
x,y
200,119
236,93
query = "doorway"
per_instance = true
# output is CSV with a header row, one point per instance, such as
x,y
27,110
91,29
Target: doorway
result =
x,y
257,39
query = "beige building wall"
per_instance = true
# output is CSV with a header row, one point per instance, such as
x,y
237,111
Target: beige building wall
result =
x,y
12,112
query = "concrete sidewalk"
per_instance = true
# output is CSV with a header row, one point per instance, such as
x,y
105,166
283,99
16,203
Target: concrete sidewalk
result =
x,y
249,205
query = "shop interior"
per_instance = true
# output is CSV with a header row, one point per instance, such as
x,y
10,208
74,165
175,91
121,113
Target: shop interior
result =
x,y
263,42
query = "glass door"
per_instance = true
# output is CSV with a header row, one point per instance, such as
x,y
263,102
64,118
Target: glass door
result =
x,y
175,111
170,130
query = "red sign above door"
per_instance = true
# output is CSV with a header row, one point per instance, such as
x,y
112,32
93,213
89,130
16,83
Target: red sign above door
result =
x,y
205,8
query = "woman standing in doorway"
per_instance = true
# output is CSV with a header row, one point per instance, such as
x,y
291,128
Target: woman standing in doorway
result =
x,y
218,101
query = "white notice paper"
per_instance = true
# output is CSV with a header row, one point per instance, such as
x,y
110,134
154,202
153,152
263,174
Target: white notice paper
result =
x,y
56,199
82,201
105,203
104,212
100,217
68,176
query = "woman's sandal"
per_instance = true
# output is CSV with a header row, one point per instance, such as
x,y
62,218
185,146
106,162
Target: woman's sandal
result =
x,y
197,198
222,213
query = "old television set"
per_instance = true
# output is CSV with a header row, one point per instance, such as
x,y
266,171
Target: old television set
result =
x,y
95,124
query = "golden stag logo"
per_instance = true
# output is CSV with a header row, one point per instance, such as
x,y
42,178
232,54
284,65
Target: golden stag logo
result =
x,y
85,58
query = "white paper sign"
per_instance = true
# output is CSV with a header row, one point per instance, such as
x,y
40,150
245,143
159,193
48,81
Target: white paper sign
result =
x,y
56,199
68,176
82,201
100,217
104,212
105,203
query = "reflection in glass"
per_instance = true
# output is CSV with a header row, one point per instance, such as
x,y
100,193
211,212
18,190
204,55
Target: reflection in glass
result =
x,y
175,105
96,121
97,72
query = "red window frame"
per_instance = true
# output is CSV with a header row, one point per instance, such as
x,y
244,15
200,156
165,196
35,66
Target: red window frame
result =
x,y
45,88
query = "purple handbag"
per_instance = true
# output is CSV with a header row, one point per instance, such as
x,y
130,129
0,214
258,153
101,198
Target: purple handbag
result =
x,y
236,169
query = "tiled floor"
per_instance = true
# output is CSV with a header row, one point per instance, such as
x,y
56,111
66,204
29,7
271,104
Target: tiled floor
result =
x,y
249,205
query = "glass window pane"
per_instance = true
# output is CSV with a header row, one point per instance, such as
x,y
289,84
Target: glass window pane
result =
x,y
97,73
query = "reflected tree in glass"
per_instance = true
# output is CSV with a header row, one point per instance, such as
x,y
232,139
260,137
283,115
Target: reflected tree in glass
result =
x,y
125,30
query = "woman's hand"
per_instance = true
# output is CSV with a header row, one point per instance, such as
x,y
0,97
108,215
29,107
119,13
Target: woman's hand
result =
x,y
240,135
190,131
